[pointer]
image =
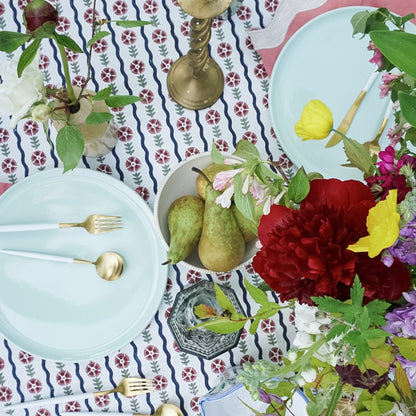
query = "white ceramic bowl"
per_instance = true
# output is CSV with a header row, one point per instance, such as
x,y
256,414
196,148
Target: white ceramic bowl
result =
x,y
182,181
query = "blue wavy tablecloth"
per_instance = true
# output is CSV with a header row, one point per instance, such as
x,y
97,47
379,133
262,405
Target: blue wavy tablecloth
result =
x,y
154,135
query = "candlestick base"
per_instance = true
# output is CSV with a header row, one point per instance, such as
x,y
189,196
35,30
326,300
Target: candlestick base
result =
x,y
195,92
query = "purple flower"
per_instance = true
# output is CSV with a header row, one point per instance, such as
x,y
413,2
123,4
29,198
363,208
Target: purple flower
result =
x,y
269,397
404,248
402,321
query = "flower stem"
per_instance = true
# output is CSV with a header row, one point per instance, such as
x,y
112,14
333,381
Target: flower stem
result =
x,y
69,88
334,399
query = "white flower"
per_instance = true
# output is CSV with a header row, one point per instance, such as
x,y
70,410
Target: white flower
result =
x,y
225,198
17,95
258,191
246,185
292,355
303,340
309,375
307,319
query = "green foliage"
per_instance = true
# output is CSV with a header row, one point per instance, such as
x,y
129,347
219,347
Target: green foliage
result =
x,y
70,146
10,41
132,23
408,106
99,35
299,186
68,42
98,117
358,156
121,100
27,56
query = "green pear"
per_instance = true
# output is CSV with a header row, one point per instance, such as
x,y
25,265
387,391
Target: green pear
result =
x,y
185,219
248,228
210,171
221,246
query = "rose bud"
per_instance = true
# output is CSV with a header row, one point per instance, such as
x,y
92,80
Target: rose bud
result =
x,y
40,18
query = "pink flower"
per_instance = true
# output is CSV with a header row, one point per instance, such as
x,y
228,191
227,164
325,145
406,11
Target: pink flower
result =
x,y
377,57
224,178
385,87
394,135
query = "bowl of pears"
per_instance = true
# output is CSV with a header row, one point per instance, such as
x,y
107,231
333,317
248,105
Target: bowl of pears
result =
x,y
196,231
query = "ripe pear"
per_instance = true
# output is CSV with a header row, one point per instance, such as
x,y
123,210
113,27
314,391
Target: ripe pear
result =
x,y
210,171
221,246
185,219
246,226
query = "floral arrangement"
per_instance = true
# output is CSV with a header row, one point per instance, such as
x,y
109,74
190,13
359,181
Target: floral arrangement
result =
x,y
340,254
23,93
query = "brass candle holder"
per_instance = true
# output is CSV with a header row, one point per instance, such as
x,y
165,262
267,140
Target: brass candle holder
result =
x,y
195,80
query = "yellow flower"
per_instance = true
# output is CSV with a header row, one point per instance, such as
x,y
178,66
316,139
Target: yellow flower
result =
x,y
382,226
315,122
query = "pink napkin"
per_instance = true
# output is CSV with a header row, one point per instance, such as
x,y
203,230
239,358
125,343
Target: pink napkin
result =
x,y
292,14
4,186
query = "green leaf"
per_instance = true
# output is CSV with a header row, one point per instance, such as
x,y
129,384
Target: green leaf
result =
x,y
132,23
223,301
337,330
10,41
222,325
408,107
398,47
331,305
267,310
246,150
99,35
358,155
27,56
203,311
69,146
257,294
216,155
359,22
68,42
243,202
299,186
363,319
357,292
254,325
402,380
121,100
407,347
102,94
95,118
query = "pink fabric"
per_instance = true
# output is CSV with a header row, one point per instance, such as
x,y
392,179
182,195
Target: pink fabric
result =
x,y
4,187
400,7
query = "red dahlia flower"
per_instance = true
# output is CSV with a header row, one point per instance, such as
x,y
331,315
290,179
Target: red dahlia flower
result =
x,y
305,251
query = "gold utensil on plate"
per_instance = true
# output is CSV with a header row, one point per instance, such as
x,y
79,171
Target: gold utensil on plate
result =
x,y
130,386
94,224
165,409
373,145
109,265
346,122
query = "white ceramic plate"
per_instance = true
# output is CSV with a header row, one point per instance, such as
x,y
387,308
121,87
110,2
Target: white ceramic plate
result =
x,y
64,311
323,61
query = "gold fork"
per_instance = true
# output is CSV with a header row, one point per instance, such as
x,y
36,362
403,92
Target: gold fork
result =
x,y
129,387
96,224
372,145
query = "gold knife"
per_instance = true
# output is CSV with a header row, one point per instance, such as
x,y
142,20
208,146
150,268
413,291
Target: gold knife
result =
x,y
345,123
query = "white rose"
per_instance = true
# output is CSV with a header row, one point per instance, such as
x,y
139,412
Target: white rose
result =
x,y
17,95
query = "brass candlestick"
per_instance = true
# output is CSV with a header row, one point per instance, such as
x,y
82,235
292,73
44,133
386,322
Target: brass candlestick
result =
x,y
195,80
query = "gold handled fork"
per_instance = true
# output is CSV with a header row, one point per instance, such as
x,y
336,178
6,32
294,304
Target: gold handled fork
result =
x,y
346,122
129,387
372,145
96,224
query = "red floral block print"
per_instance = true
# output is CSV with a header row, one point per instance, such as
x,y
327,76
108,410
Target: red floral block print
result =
x,y
305,253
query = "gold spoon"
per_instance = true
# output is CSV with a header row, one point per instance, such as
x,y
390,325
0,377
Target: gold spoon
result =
x,y
165,409
109,265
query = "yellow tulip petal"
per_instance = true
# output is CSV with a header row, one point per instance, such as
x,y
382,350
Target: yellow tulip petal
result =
x,y
382,226
315,122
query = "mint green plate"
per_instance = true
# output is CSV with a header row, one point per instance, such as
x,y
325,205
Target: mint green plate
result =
x,y
323,61
64,311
